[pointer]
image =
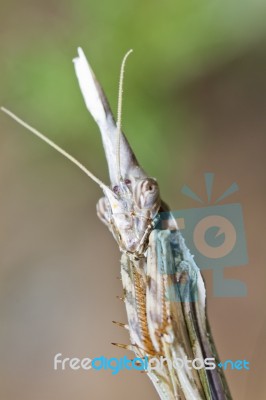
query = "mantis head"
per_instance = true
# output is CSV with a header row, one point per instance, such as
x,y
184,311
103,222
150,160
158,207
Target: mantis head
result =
x,y
131,202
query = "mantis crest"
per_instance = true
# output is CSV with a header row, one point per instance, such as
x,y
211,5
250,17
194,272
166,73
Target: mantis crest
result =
x,y
166,318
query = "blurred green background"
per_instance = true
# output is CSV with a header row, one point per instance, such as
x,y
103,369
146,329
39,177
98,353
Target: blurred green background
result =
x,y
194,102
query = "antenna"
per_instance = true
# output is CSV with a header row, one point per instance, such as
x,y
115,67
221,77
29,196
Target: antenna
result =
x,y
55,146
119,114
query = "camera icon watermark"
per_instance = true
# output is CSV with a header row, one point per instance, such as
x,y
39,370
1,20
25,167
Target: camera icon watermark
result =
x,y
215,236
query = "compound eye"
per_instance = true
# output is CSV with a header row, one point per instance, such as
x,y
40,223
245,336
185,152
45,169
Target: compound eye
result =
x,y
146,194
116,189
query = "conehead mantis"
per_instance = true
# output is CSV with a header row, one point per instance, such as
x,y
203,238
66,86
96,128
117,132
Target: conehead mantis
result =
x,y
165,317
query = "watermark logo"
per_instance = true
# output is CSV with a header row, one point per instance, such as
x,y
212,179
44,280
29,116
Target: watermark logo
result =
x,y
215,235
238,365
143,364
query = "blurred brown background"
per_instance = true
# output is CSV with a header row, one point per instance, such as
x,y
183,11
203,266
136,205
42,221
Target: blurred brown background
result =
x,y
195,93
